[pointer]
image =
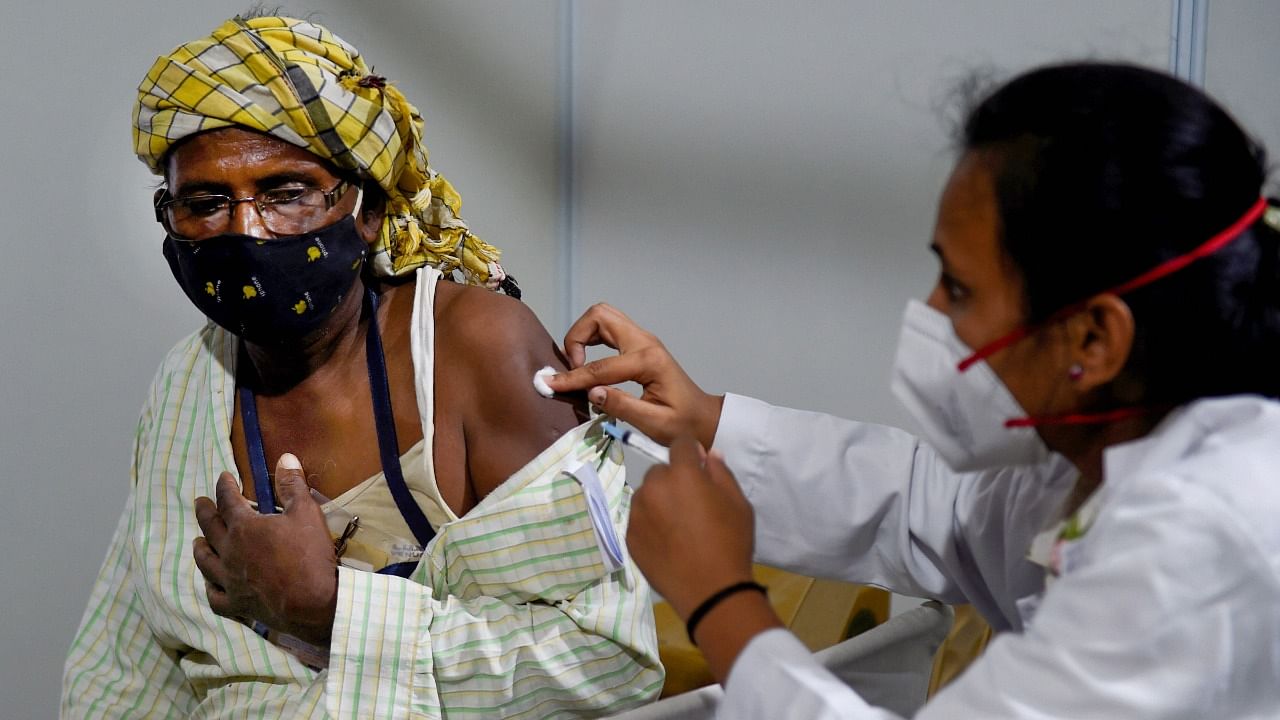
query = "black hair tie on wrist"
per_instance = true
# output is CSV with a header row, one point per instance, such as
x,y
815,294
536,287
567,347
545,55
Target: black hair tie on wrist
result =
x,y
709,604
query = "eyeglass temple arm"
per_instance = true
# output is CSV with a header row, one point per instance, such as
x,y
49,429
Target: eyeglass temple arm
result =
x,y
160,204
331,198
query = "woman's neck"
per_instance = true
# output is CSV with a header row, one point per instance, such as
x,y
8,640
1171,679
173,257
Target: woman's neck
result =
x,y
1086,445
277,369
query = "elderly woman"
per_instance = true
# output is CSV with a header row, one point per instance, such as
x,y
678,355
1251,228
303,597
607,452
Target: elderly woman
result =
x,y
472,570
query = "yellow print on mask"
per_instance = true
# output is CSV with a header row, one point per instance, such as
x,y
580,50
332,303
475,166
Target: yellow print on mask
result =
x,y
313,253
208,288
250,292
300,306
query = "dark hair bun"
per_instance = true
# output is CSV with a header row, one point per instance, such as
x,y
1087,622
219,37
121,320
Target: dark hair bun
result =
x,y
1102,172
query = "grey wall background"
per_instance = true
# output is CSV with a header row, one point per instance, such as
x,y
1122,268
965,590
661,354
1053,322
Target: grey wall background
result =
x,y
762,191
755,184
1238,66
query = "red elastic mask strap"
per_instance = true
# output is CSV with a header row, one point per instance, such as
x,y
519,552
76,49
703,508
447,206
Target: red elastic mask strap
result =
x,y
1168,267
1079,418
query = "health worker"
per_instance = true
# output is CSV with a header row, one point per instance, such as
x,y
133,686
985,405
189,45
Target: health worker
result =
x,y
1095,377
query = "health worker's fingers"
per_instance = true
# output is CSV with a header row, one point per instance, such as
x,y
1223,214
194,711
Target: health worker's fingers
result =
x,y
721,475
717,468
603,324
647,417
605,371
662,484
686,452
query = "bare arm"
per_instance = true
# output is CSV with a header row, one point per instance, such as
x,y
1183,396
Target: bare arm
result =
x,y
495,345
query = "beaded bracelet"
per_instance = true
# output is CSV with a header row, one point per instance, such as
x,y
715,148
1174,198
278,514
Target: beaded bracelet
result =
x,y
709,604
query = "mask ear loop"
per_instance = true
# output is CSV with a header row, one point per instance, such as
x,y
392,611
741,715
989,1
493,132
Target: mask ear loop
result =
x,y
1168,267
355,214
1101,418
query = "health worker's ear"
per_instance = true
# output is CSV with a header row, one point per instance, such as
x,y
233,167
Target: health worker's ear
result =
x,y
1101,338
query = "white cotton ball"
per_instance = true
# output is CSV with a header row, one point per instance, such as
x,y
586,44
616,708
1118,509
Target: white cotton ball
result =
x,y
540,382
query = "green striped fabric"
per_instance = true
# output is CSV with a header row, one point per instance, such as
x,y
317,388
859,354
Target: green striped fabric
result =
x,y
510,614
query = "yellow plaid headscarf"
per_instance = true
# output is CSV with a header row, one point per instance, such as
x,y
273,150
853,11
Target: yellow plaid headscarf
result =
x,y
297,81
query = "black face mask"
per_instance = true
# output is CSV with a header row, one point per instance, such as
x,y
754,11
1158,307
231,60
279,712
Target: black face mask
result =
x,y
269,291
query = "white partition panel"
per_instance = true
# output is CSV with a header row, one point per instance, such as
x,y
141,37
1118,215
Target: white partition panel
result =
x,y
1242,58
757,180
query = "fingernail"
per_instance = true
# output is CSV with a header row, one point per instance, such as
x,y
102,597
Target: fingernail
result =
x,y
597,396
289,461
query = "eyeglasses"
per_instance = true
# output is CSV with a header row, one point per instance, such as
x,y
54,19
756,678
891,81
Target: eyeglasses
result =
x,y
284,211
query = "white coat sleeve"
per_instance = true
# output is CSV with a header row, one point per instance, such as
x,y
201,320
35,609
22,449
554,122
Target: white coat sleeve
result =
x,y
1159,617
872,504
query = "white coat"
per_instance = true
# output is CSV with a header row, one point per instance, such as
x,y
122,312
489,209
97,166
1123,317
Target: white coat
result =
x,y
1167,607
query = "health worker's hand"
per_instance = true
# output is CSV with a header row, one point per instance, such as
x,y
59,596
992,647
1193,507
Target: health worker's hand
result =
x,y
280,569
691,530
671,404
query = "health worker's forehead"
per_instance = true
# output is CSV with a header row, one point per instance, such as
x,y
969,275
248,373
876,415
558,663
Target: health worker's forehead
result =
x,y
967,231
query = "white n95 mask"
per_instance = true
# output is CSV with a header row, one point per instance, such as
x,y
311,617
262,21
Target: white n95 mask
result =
x,y
963,409
962,413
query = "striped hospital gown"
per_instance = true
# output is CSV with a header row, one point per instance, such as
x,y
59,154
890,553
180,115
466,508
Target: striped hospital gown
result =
x,y
511,614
